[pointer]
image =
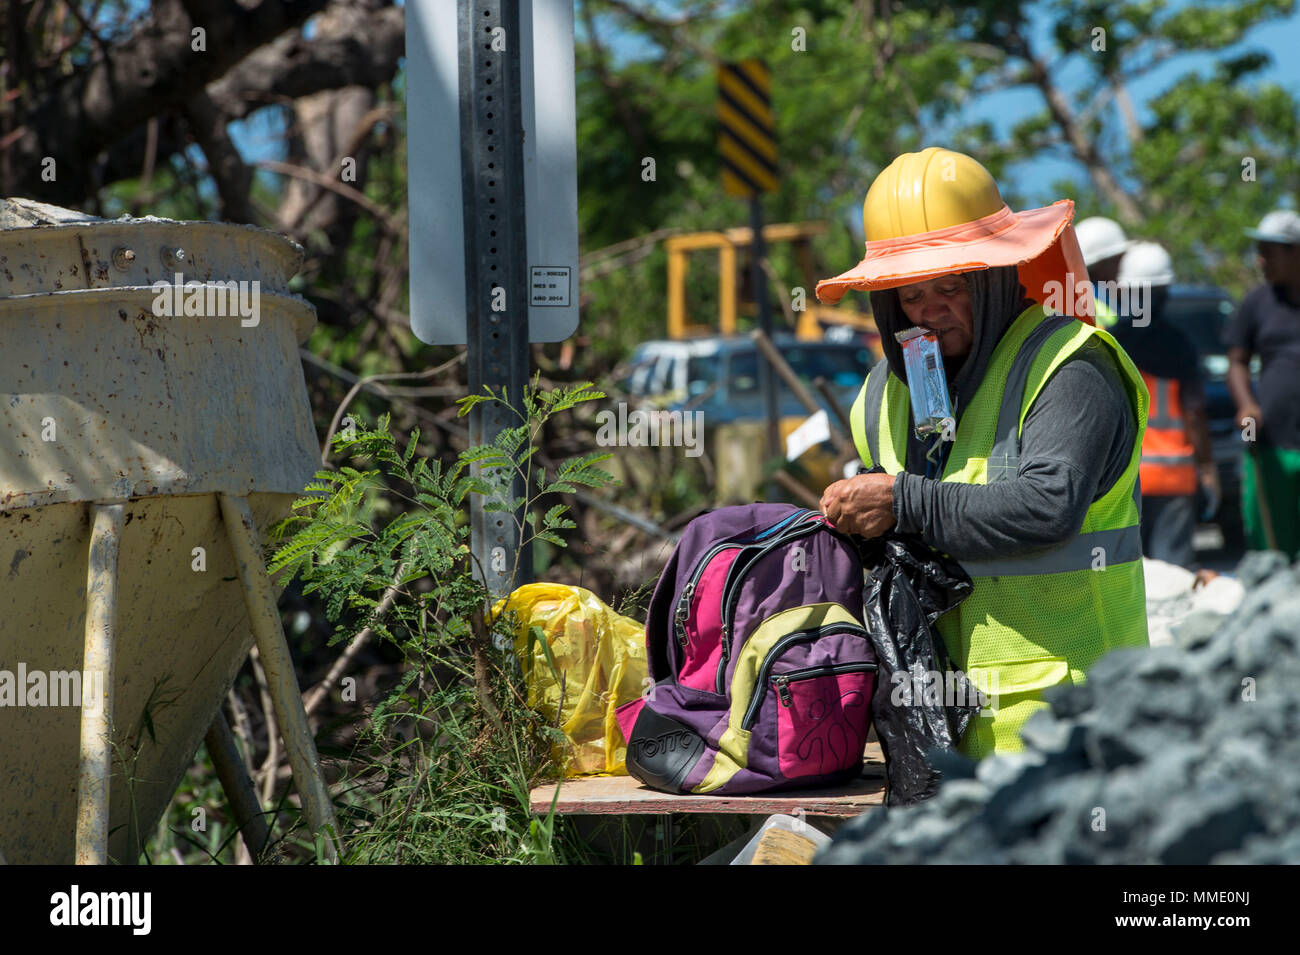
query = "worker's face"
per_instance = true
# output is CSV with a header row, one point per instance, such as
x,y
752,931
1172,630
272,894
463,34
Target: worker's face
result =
x,y
943,305
1279,262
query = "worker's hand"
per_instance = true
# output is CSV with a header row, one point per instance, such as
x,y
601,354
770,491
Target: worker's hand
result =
x,y
1203,577
1210,487
861,505
1209,475
1249,411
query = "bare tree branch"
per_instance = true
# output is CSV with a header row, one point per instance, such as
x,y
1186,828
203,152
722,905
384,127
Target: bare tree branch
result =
x,y
265,77
628,115
317,694
293,66
1125,102
350,149
673,33
352,393
386,218
233,178
1082,146
157,67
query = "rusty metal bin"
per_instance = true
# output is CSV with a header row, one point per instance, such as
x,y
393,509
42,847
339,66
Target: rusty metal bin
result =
x,y
142,455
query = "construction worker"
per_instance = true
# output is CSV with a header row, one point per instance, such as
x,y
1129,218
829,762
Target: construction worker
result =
x,y
1103,243
1267,324
1177,455
1035,489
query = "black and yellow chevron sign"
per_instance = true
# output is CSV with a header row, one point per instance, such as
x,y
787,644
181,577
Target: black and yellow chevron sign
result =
x,y
746,133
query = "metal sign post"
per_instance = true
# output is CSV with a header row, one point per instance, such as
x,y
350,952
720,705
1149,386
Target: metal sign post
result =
x,y
492,180
747,141
496,279
766,376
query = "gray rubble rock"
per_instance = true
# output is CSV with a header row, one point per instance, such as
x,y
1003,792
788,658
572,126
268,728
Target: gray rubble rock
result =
x,y
1178,755
1259,565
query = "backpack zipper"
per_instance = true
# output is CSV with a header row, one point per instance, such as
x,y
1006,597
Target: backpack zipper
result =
x,y
731,590
683,609
782,680
684,602
782,684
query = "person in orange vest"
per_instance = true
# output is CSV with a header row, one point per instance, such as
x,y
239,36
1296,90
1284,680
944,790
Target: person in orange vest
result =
x,y
1177,456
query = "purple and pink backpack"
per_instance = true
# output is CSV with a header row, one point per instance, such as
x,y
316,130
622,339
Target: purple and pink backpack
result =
x,y
763,670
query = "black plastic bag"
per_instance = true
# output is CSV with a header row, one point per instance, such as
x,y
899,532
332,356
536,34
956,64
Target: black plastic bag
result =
x,y
908,586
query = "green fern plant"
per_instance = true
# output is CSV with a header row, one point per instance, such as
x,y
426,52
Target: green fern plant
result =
x,y
454,738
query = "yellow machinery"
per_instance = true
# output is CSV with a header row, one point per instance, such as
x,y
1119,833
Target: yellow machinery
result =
x,y
737,445
809,321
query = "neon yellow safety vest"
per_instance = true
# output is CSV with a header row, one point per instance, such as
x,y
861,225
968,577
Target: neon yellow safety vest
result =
x,y
1037,621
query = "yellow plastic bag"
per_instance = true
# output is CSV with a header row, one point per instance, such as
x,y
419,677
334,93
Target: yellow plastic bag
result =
x,y
601,657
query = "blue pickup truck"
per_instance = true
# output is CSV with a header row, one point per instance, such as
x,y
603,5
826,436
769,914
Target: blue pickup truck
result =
x,y
719,375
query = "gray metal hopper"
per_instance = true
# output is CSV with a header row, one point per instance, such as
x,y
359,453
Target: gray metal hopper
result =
x,y
142,457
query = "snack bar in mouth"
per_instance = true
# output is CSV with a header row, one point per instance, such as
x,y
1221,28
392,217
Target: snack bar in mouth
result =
x,y
925,380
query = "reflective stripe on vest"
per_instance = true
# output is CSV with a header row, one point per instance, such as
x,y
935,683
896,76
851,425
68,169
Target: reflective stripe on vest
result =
x,y
868,406
1092,551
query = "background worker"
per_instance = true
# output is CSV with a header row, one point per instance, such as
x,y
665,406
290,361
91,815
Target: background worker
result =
x,y
1036,493
1103,243
1177,455
1267,324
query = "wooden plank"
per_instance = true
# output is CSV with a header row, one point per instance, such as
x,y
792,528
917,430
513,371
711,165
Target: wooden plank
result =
x,y
623,795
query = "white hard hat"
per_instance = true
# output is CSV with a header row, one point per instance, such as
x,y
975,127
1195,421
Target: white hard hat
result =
x,y
1145,262
1100,238
1281,225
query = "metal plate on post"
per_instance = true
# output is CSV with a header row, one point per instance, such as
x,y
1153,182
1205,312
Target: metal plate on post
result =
x,y
542,45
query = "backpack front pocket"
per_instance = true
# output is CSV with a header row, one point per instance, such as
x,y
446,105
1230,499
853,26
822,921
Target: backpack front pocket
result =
x,y
822,717
801,693
697,626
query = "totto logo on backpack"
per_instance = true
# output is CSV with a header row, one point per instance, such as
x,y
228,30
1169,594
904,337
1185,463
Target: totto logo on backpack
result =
x,y
763,669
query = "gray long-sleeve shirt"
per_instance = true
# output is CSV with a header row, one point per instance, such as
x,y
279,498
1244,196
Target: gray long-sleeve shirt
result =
x,y
1075,443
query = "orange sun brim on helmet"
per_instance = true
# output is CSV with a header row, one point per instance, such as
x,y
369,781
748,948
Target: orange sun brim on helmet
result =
x,y
1039,242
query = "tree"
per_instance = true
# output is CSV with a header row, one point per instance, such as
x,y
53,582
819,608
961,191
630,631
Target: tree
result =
x,y
1218,151
859,88
874,79
114,107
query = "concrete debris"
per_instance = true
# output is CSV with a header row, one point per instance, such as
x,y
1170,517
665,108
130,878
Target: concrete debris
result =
x,y
1183,754
24,213
1171,598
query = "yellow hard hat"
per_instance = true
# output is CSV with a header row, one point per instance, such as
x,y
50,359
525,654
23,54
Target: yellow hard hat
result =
x,y
933,189
937,212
